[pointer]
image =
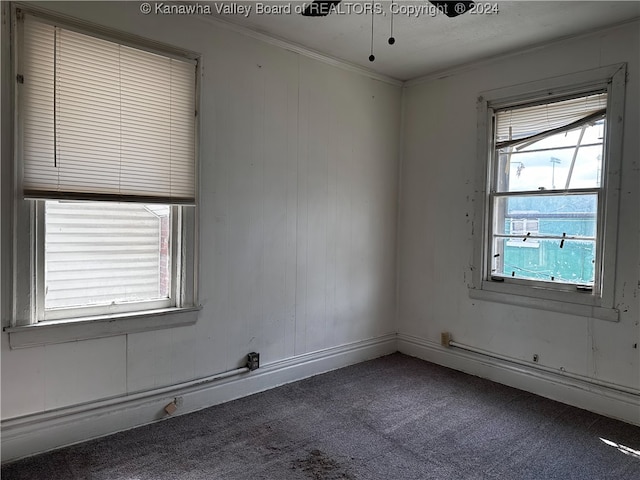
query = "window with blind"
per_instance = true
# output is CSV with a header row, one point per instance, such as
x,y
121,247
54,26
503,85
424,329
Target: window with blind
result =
x,y
107,170
548,193
106,256
547,184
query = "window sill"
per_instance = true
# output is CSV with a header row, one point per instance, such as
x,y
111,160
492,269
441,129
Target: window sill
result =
x,y
587,308
61,331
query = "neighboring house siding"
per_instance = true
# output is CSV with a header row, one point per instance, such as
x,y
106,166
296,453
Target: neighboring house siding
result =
x,y
103,253
544,259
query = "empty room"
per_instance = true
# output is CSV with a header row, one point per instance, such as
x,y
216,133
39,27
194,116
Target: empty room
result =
x,y
320,240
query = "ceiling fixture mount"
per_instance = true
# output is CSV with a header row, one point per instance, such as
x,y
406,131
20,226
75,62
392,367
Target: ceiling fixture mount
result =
x,y
372,57
392,39
452,9
322,8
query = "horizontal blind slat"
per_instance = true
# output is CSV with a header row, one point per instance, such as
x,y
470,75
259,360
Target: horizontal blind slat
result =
x,y
123,117
514,123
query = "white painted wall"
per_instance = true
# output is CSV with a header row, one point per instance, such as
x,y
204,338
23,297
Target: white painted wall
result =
x,y
438,173
298,212
298,225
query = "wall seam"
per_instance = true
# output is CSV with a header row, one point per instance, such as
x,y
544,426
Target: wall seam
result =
x,y
403,92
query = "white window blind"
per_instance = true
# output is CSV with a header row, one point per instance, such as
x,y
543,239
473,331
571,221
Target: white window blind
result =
x,y
104,121
519,123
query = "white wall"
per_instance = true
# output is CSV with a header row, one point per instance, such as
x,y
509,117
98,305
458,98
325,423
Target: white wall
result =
x,y
298,211
298,225
438,173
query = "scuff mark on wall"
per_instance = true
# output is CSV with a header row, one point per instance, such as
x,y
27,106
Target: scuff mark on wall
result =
x,y
623,307
591,342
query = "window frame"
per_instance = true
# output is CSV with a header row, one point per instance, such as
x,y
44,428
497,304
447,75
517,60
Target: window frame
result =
x,y
493,195
22,242
45,315
598,303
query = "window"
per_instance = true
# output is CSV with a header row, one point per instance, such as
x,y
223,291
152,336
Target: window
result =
x,y
106,256
549,193
547,161
105,176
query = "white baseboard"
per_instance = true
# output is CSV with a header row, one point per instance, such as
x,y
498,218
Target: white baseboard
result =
x,y
579,393
40,432
37,433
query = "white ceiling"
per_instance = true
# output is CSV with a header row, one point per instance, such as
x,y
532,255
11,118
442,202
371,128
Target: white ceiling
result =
x,y
428,44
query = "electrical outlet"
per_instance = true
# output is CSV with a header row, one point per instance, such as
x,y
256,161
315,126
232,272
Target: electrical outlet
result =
x,y
253,361
536,358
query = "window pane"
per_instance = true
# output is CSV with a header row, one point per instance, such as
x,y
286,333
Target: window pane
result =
x,y
99,253
544,260
528,254
547,163
551,215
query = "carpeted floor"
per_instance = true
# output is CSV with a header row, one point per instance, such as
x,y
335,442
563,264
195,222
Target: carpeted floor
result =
x,y
392,418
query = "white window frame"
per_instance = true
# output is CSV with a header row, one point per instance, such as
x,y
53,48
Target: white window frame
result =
x,y
596,303
41,314
22,243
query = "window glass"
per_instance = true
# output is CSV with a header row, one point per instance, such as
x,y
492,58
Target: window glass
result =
x,y
547,164
103,253
545,215
545,191
106,169
544,260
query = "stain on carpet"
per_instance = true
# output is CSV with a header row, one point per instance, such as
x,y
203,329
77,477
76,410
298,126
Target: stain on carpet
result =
x,y
320,466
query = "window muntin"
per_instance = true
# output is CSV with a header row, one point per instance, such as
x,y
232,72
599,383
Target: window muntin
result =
x,y
519,224
545,193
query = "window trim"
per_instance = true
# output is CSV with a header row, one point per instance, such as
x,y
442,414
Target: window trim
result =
x,y
61,331
19,240
613,79
69,313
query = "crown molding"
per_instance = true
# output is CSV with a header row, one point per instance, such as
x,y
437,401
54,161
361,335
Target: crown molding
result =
x,y
299,49
466,67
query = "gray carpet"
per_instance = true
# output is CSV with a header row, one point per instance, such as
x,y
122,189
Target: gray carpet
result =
x,y
392,418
